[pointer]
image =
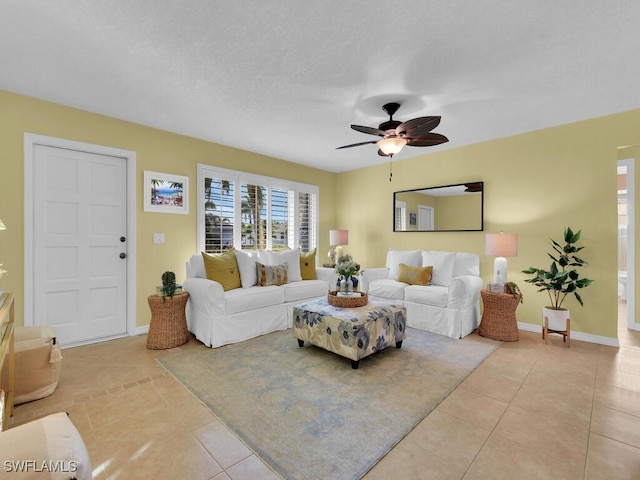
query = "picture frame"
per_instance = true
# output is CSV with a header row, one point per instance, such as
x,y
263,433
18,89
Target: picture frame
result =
x,y
413,218
166,193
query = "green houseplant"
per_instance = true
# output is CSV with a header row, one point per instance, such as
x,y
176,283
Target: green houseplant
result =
x,y
562,277
168,284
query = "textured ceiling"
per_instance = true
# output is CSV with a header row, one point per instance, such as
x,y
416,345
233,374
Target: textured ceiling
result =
x,y
286,78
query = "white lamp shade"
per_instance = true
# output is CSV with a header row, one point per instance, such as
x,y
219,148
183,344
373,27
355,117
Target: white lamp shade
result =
x,y
338,237
2,227
391,145
501,244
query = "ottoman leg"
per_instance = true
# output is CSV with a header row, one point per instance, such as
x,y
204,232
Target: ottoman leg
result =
x,y
355,364
300,343
399,344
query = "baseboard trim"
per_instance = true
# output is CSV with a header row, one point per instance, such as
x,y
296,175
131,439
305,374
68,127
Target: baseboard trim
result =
x,y
585,337
143,330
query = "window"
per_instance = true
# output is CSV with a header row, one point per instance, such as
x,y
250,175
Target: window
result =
x,y
251,211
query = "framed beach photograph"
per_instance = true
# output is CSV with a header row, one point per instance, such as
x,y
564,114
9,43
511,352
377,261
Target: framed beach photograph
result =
x,y
166,193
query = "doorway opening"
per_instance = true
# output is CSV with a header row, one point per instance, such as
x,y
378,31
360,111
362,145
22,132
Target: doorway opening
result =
x,y
626,247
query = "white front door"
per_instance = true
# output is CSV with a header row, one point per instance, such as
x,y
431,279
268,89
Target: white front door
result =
x,y
79,244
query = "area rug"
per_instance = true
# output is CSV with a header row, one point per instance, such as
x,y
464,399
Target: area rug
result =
x,y
308,414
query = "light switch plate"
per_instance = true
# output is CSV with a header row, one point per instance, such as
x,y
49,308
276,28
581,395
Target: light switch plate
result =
x,y
158,238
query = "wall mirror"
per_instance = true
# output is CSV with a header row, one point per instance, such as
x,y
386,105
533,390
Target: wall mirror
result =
x,y
447,208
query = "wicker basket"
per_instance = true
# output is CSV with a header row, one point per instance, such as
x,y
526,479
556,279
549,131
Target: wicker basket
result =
x,y
168,327
347,302
499,316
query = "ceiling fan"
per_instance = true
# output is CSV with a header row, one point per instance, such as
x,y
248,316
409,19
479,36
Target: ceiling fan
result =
x,y
395,135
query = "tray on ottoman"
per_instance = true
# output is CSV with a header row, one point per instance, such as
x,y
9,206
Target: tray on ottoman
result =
x,y
356,299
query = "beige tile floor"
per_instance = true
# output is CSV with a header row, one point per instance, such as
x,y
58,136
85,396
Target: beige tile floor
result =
x,y
530,411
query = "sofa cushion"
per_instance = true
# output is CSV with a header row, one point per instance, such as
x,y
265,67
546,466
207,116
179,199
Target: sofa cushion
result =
x,y
308,265
466,264
291,258
195,267
415,275
271,274
387,288
297,291
434,295
442,263
411,258
223,268
247,265
244,299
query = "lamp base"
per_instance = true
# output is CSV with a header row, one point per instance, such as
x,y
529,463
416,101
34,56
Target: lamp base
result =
x,y
500,270
332,255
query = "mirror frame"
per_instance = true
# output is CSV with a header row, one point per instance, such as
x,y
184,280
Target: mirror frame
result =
x,y
465,184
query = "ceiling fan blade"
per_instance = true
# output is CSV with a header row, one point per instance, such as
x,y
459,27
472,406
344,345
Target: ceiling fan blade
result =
x,y
427,140
417,127
369,130
356,144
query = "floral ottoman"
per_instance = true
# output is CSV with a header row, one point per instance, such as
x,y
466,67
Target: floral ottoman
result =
x,y
353,333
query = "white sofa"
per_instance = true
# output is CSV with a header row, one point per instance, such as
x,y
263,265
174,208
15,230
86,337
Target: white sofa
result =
x,y
217,317
449,306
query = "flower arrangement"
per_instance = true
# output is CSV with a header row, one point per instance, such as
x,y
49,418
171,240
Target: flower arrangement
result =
x,y
346,266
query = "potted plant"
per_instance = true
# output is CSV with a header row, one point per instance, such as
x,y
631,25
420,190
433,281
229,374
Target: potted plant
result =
x,y
561,279
168,285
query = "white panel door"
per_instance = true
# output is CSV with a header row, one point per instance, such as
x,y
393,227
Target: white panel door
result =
x,y
79,248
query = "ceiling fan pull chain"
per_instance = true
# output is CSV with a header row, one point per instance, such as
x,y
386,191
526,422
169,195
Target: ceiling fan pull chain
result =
x,y
390,172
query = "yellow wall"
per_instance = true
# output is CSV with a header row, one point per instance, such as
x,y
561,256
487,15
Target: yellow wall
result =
x,y
156,150
459,212
535,184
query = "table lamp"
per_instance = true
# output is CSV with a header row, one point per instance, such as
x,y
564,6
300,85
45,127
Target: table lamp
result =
x,y
337,238
501,245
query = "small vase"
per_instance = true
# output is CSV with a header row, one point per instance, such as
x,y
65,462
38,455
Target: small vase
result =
x,y
346,286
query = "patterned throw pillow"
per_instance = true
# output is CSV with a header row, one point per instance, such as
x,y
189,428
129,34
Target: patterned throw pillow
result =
x,y
308,265
223,268
272,274
414,275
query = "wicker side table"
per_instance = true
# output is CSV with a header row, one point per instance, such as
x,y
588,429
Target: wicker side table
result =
x,y
499,316
168,327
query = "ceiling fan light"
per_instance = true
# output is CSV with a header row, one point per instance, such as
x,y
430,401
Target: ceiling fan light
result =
x,y
391,145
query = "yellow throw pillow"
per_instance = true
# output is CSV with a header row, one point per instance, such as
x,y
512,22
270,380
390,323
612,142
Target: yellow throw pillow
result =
x,y
414,275
223,268
308,265
272,274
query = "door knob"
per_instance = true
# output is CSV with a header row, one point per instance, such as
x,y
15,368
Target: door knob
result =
x,y
123,255
123,239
